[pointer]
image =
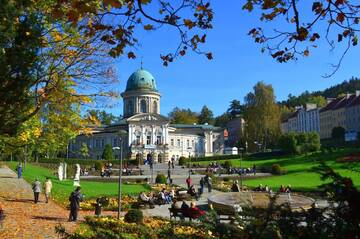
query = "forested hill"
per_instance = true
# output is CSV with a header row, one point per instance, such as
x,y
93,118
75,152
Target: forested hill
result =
x,y
349,86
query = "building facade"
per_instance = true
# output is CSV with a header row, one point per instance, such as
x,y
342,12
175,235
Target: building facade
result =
x,y
144,131
304,119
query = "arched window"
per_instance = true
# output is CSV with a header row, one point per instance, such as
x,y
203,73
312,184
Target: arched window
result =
x,y
155,107
143,106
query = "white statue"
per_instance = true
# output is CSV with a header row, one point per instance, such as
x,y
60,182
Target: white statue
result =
x,y
77,176
61,172
65,170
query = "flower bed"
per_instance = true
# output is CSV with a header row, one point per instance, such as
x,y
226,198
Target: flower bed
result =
x,y
112,205
151,228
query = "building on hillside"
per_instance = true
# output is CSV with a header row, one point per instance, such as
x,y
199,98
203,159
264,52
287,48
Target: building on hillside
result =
x,y
337,113
144,131
304,119
235,128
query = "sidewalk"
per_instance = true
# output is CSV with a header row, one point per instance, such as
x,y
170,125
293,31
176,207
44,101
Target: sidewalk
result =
x,y
23,218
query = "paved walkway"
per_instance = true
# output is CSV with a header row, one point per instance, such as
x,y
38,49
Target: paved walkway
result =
x,y
23,218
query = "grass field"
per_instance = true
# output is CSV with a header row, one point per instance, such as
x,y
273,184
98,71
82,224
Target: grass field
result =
x,y
62,189
301,174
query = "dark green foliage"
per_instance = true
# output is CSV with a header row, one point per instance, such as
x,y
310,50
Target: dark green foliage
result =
x,y
338,133
227,164
298,143
98,165
332,92
276,169
107,153
182,161
103,116
134,216
20,41
288,143
206,116
160,178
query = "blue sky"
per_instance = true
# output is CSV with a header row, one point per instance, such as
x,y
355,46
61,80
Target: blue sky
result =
x,y
238,64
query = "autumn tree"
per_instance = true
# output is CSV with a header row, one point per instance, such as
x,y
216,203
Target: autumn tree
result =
x,y
335,21
206,116
183,116
222,119
58,46
103,116
262,116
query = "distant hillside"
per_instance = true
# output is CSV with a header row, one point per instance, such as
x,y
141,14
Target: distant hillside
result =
x,y
331,92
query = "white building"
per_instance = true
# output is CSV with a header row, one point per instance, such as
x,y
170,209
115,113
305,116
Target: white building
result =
x,y
143,130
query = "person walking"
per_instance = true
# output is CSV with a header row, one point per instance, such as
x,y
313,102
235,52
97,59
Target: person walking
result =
x,y
75,198
173,162
36,187
188,182
209,183
47,188
169,176
169,164
19,170
202,184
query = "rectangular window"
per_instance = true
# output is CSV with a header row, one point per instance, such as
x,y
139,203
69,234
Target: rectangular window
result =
x,y
193,143
137,141
97,143
102,143
172,142
188,143
158,139
178,143
148,139
115,142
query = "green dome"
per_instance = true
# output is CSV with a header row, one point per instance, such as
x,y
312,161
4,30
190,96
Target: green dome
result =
x,y
141,80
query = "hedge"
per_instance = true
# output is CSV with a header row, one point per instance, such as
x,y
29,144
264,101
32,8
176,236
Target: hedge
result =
x,y
77,161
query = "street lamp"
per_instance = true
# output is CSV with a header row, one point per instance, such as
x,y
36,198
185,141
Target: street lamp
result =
x,y
241,170
119,186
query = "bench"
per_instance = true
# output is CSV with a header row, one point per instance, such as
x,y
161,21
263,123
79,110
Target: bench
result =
x,y
184,213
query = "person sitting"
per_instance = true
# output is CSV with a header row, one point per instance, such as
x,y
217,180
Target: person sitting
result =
x,y
191,190
175,205
260,188
144,198
165,198
194,211
282,189
235,187
184,205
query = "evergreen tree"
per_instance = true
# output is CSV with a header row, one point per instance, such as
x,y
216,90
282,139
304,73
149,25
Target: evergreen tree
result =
x,y
107,153
206,116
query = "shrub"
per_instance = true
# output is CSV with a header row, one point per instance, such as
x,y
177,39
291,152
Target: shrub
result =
x,y
227,164
134,216
182,161
160,178
276,169
99,165
226,179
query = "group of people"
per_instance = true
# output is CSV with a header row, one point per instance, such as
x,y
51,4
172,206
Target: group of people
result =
x,y
106,170
188,211
164,197
36,187
284,189
262,188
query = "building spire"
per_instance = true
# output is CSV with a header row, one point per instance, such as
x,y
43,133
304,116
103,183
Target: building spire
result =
x,y
141,63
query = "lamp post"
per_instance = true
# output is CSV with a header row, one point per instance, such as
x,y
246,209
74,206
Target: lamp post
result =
x,y
241,170
119,185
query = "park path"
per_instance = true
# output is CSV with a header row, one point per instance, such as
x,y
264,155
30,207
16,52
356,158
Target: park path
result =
x,y
23,218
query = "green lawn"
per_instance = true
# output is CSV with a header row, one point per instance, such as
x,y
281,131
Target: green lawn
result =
x,y
62,189
301,174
